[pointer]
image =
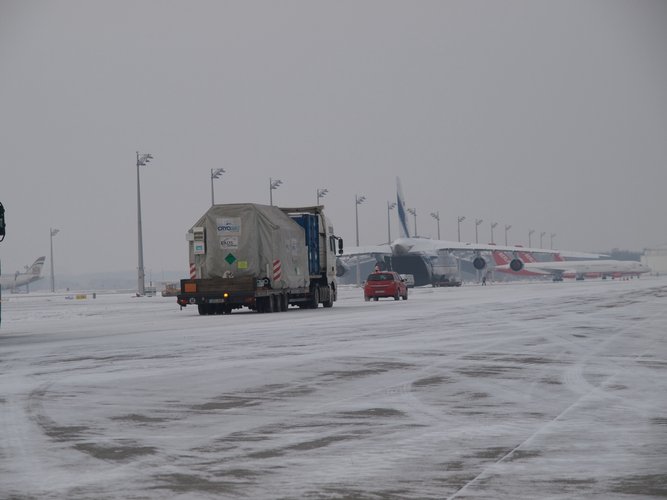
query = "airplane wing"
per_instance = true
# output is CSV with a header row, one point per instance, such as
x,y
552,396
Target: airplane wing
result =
x,y
425,245
581,267
367,250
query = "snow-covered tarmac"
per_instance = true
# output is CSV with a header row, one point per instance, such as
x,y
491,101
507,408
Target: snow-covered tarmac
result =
x,y
521,391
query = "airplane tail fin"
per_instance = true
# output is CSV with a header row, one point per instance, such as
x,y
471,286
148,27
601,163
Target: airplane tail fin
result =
x,y
558,258
36,268
400,205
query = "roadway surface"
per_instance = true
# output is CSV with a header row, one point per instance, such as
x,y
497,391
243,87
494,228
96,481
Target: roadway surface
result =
x,y
521,391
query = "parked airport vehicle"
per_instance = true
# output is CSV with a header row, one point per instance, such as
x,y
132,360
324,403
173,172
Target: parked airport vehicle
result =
x,y
441,280
409,280
385,284
170,289
261,257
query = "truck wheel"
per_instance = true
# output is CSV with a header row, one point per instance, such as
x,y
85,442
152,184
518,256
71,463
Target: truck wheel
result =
x,y
315,300
330,298
367,298
203,309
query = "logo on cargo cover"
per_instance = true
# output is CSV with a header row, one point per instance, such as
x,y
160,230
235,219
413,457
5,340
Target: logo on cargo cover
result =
x,y
229,242
228,225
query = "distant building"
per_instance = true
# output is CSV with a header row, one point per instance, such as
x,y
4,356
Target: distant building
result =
x,y
656,259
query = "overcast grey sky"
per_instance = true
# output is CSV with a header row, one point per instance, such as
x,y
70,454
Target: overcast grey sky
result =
x,y
544,115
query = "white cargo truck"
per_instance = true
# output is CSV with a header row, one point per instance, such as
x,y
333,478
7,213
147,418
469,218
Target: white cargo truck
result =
x,y
261,257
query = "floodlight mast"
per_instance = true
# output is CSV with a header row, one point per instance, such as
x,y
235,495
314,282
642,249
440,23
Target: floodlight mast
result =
x,y
358,201
436,216
390,205
53,232
321,193
413,212
142,160
216,173
273,184
477,223
460,219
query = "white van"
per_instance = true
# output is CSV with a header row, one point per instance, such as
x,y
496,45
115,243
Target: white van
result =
x,y
409,280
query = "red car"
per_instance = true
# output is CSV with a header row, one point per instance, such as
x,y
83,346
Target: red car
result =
x,y
385,284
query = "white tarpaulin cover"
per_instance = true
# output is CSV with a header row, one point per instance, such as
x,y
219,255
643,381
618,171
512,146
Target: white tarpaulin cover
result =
x,y
247,239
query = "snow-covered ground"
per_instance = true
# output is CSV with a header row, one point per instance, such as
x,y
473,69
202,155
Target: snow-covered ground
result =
x,y
540,390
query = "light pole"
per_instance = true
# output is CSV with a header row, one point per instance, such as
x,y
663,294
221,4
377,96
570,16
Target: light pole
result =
x,y
493,225
530,233
390,206
215,174
142,159
553,235
477,223
436,216
460,219
413,211
320,194
53,232
542,234
358,201
273,184
507,228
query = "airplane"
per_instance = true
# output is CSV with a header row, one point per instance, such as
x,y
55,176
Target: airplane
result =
x,y
502,261
437,261
12,281
579,269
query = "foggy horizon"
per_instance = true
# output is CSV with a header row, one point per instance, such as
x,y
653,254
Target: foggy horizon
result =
x,y
546,116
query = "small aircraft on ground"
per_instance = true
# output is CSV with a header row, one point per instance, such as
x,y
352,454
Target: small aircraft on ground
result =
x,y
33,273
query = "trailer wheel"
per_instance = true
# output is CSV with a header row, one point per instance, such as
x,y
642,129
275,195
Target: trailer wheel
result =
x,y
203,309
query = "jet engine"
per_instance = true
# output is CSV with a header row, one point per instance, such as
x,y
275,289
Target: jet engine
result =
x,y
479,263
516,265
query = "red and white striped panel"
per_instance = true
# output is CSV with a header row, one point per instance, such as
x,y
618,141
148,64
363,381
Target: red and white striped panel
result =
x,y
277,270
193,271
